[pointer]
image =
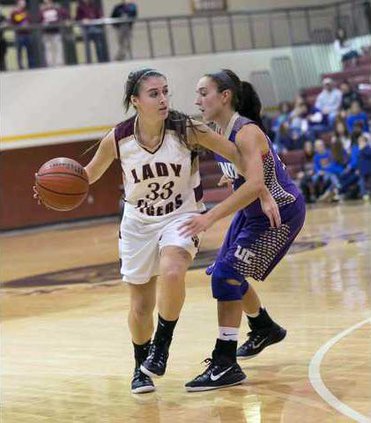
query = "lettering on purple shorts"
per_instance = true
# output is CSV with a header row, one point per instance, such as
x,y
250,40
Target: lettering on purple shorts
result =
x,y
244,254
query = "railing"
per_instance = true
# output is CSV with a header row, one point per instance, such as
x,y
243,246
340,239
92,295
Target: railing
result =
x,y
189,35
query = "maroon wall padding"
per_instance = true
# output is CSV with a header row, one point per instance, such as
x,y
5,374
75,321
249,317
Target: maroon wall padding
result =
x,y
17,168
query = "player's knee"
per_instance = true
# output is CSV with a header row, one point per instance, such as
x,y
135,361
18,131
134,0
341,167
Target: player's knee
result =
x,y
228,289
141,309
227,284
173,274
141,314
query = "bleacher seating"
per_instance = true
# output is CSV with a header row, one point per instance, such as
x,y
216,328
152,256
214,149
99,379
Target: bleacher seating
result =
x,y
354,75
359,77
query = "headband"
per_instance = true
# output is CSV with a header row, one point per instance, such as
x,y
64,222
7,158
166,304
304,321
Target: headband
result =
x,y
147,72
224,77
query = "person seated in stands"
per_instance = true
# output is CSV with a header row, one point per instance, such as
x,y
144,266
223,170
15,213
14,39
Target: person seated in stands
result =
x,y
282,117
321,160
357,115
288,139
348,95
307,121
329,101
341,133
344,47
349,178
336,167
305,176
267,123
364,166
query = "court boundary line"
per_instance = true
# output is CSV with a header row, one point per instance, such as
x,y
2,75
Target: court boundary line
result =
x,y
314,373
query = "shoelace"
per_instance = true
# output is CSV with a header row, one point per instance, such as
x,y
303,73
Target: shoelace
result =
x,y
138,374
207,361
157,354
255,336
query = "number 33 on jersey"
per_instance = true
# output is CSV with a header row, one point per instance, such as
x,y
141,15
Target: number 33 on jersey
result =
x,y
157,182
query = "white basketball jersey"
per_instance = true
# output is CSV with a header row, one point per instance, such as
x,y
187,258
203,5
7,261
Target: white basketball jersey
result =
x,y
158,183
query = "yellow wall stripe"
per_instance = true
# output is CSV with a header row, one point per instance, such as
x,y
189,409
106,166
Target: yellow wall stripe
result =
x,y
61,132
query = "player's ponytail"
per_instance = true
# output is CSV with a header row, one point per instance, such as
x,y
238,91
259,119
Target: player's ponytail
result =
x,y
249,104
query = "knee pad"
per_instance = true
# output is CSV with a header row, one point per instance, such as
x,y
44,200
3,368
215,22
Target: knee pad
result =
x,y
224,290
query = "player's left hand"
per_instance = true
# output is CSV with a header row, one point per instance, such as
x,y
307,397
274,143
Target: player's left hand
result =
x,y
195,225
270,209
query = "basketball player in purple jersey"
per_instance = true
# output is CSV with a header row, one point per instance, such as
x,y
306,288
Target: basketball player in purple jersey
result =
x,y
254,244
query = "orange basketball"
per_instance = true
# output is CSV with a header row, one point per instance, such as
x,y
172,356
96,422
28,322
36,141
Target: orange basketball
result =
x,y
62,184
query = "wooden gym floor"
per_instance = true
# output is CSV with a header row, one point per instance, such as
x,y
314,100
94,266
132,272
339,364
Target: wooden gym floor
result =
x,y
66,350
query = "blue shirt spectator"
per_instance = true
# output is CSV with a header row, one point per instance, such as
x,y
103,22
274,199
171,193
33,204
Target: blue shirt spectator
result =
x,y
364,159
357,115
321,159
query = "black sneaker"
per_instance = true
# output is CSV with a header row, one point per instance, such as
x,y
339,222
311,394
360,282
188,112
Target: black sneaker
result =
x,y
155,364
217,376
260,339
141,383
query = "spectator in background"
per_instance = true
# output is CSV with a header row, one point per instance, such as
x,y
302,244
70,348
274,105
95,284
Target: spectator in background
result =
x,y
356,114
3,44
341,133
324,177
86,11
51,13
364,166
344,47
348,95
19,17
285,141
349,178
128,10
305,121
305,176
328,101
283,116
338,162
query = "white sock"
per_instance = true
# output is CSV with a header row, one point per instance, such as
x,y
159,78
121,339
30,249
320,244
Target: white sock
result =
x,y
228,334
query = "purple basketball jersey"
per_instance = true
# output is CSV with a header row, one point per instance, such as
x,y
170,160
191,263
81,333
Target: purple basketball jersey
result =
x,y
251,248
276,178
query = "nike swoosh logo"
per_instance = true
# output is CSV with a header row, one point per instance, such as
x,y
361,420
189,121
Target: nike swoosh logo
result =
x,y
228,334
255,346
219,375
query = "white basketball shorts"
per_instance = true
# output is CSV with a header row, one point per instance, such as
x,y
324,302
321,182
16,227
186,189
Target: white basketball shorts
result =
x,y
140,245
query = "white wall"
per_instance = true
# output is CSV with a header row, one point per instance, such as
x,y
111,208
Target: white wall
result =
x,y
152,8
81,102
37,103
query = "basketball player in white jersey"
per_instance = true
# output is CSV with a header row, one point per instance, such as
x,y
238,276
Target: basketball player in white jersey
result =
x,y
156,148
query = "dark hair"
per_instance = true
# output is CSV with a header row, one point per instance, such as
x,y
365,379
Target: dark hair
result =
x,y
337,152
341,121
245,100
134,82
342,37
177,121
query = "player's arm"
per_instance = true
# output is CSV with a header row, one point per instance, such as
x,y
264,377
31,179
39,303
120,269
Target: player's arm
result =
x,y
102,159
251,167
200,134
250,142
